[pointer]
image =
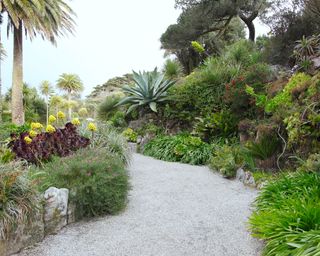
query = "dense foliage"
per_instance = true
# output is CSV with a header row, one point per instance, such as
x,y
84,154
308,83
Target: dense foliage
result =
x,y
180,148
287,215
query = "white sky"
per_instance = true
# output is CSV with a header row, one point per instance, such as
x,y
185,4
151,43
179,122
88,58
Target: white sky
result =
x,y
112,38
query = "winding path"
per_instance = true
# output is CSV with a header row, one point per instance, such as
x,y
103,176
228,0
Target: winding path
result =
x,y
174,210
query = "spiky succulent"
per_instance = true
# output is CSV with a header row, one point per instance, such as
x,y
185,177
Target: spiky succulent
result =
x,y
150,88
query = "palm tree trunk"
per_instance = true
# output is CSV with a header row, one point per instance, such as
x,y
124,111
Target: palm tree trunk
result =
x,y
17,78
47,110
1,56
69,107
1,108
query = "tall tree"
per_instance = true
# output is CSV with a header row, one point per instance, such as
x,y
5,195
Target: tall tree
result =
x,y
2,56
48,18
246,10
212,31
70,83
46,89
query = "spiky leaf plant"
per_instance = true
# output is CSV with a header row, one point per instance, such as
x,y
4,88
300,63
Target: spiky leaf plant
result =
x,y
150,88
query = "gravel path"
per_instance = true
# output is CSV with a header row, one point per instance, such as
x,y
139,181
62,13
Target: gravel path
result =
x,y
174,210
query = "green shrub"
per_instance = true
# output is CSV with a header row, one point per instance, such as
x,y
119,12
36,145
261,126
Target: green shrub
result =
x,y
130,135
181,148
312,164
18,198
227,160
203,91
287,215
150,128
118,119
97,180
221,124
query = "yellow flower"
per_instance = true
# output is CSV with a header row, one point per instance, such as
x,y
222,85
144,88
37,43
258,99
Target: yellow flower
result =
x,y
52,119
28,140
75,121
36,126
61,115
92,127
33,134
50,129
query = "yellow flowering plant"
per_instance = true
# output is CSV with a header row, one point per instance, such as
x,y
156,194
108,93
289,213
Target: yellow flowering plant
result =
x,y
52,119
36,126
92,127
32,134
50,129
61,115
27,140
75,121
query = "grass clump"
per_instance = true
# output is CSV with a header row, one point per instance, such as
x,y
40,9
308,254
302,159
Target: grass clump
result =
x,y
180,148
18,198
287,215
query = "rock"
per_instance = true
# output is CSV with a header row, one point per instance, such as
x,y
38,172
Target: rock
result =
x,y
249,180
245,177
71,213
240,175
139,139
56,209
145,140
316,62
132,147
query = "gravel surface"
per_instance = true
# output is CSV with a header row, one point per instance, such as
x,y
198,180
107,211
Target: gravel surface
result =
x,y
174,209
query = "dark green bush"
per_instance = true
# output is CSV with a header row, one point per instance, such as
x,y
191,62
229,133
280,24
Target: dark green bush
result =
x,y
97,180
180,148
227,160
287,215
118,119
216,125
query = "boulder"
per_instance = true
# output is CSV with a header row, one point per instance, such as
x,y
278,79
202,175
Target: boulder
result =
x,y
316,62
249,180
245,177
56,209
240,175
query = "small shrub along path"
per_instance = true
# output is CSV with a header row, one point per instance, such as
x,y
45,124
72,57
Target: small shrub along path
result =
x,y
174,209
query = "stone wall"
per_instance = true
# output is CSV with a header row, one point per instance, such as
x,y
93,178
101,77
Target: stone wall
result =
x,y
56,213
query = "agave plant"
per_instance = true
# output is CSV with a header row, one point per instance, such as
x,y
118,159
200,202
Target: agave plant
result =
x,y
150,88
307,47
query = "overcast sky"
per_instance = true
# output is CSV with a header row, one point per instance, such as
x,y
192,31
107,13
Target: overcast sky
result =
x,y
112,38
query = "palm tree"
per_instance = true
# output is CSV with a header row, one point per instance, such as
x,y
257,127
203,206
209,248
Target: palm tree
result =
x,y
70,83
46,90
49,18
